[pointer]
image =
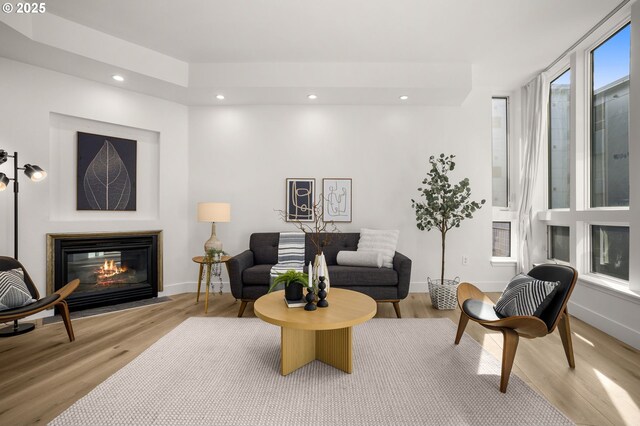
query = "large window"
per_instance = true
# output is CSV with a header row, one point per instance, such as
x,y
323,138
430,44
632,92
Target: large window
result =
x,y
588,219
610,121
500,153
610,251
559,137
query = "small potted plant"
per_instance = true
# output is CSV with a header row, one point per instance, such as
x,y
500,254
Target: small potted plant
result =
x,y
444,207
293,281
215,254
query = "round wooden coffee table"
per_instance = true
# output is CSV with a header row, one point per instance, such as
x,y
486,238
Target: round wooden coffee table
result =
x,y
323,334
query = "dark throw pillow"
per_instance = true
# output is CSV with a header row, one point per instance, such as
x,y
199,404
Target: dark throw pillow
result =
x,y
525,295
14,292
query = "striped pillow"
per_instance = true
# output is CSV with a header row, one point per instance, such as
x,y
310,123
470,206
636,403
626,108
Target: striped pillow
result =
x,y
14,292
525,295
380,241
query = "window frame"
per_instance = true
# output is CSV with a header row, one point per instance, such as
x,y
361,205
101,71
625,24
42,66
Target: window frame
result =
x,y
588,272
580,215
553,259
557,75
501,213
588,119
508,151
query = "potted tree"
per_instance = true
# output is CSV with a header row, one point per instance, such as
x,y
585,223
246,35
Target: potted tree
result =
x,y
444,207
293,282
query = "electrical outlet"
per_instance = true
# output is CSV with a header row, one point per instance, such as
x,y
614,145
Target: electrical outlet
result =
x,y
465,259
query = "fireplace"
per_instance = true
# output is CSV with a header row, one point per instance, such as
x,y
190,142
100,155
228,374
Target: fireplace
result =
x,y
112,267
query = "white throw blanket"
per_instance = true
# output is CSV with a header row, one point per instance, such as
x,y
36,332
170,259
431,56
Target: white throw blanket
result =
x,y
290,253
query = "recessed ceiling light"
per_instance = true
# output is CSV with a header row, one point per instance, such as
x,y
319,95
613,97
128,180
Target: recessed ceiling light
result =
x,y
312,96
117,77
220,97
404,97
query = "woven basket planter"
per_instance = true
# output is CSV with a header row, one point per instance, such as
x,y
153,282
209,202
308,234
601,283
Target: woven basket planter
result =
x,y
445,295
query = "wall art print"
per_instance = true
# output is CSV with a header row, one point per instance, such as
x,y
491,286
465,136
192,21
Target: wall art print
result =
x,y
106,173
300,199
337,199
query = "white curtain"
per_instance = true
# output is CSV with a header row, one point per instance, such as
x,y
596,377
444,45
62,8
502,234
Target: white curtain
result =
x,y
535,98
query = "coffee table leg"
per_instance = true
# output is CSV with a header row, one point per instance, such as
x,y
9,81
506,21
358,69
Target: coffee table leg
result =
x,y
333,347
297,348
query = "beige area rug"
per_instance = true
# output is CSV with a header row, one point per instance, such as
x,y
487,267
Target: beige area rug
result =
x,y
225,371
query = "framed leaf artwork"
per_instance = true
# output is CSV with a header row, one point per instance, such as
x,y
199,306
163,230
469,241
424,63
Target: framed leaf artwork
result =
x,y
300,199
106,173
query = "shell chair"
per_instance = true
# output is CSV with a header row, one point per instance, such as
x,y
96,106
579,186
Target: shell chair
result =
x,y
56,299
477,307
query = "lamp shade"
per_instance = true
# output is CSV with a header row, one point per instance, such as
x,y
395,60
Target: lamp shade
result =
x,y
214,212
4,181
35,173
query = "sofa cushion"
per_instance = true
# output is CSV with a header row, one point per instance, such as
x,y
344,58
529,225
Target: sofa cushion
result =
x,y
379,292
369,259
342,276
264,246
257,275
337,242
381,241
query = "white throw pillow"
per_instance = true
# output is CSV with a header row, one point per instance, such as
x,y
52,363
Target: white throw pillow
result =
x,y
369,259
380,241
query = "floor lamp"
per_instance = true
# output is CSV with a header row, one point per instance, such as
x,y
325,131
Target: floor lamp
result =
x,y
36,174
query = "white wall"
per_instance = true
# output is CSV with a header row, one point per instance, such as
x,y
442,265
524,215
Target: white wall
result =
x,y
243,154
37,111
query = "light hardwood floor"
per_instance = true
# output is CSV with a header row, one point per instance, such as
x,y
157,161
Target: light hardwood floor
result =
x,y
41,373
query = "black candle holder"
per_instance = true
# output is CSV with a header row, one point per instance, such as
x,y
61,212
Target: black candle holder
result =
x,y
322,294
310,297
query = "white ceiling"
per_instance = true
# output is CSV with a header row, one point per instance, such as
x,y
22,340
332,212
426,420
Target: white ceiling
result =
x,y
504,41
342,30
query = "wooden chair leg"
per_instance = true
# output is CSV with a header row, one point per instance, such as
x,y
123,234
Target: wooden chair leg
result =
x,y
508,355
64,312
199,283
462,324
396,306
565,335
243,305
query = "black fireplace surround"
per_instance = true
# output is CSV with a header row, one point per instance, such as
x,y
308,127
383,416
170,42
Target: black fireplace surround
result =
x,y
112,267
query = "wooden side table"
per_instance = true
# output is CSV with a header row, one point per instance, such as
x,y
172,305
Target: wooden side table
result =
x,y
208,262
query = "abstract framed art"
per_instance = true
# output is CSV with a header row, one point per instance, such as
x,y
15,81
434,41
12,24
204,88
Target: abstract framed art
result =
x,y
337,199
300,196
106,173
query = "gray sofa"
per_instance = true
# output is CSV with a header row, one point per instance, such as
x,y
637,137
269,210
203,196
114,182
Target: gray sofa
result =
x,y
249,271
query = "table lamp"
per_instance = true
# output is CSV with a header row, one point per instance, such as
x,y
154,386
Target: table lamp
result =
x,y
214,212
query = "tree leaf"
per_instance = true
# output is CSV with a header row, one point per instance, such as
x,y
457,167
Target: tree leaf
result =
x,y
107,185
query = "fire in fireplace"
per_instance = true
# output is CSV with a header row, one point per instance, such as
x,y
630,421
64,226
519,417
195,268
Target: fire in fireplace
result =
x,y
112,268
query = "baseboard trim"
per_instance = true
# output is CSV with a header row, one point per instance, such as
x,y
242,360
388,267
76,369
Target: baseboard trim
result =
x,y
190,287
486,286
613,328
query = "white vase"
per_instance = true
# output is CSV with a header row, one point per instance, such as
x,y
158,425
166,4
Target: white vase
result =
x,y
316,268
